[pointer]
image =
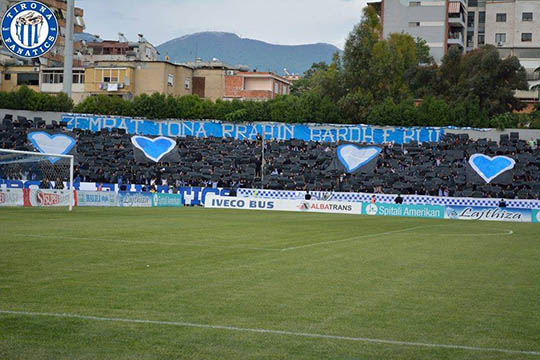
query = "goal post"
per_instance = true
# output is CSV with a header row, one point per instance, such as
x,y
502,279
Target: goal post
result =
x,y
43,167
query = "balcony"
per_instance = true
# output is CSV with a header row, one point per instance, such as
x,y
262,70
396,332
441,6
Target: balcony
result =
x,y
456,20
456,39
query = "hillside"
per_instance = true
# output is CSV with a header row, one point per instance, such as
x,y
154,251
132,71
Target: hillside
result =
x,y
256,54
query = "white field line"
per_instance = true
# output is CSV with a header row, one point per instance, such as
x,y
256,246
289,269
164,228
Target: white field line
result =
x,y
40,236
275,332
354,238
507,233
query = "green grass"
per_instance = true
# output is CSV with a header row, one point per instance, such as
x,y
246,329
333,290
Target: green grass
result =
x,y
437,282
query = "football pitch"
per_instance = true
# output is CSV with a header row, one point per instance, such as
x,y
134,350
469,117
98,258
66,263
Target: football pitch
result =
x,y
196,283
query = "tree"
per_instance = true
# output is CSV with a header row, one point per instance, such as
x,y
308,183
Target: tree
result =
x,y
358,49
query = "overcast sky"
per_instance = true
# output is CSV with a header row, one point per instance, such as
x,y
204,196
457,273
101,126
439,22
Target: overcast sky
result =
x,y
287,22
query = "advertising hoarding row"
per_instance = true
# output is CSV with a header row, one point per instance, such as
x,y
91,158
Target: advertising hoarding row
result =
x,y
377,209
47,198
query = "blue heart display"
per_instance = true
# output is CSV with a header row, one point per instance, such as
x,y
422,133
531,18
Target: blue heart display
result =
x,y
354,157
51,144
490,167
154,149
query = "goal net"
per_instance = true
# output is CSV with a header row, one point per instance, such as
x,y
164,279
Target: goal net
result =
x,y
47,177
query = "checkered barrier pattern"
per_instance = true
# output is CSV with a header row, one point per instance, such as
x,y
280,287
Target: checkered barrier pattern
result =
x,y
385,198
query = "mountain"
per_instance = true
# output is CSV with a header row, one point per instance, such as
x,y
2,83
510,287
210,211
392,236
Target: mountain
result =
x,y
256,54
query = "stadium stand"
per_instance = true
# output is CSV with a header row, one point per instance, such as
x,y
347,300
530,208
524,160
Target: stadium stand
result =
x,y
423,169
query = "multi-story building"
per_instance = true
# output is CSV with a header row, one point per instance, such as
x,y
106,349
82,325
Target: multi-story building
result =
x,y
118,50
210,80
513,26
441,22
255,86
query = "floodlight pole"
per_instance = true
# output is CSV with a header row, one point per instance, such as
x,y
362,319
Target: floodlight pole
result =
x,y
68,48
262,157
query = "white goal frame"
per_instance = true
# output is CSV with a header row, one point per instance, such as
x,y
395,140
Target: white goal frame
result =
x,y
39,154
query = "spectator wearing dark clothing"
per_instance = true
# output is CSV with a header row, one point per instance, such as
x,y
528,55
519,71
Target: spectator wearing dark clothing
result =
x,y
45,184
59,184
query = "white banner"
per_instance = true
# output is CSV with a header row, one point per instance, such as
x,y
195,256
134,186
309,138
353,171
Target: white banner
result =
x,y
96,198
11,197
338,207
44,197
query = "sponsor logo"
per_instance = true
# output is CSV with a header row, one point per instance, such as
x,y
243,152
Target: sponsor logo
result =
x,y
304,206
470,213
29,29
452,214
136,199
372,209
538,216
48,199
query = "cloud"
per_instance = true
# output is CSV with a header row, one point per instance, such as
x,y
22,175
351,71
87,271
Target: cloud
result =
x,y
277,21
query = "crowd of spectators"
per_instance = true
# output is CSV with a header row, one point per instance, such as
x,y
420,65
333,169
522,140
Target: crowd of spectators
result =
x,y
437,169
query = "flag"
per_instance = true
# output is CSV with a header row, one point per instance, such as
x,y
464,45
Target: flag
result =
x,y
352,158
155,149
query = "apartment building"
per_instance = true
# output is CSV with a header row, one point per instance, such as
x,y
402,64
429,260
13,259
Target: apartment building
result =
x,y
210,80
255,86
440,22
513,26
118,50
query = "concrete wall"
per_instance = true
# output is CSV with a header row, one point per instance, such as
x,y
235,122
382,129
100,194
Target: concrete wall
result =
x,y
45,115
258,84
214,87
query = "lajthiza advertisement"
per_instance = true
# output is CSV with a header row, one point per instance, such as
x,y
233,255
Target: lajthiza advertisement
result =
x,y
488,214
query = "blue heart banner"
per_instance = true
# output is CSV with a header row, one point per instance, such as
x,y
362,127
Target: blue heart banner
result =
x,y
352,158
157,149
495,169
52,143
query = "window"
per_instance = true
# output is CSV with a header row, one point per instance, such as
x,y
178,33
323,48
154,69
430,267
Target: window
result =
x,y
414,24
527,16
78,76
28,79
470,38
7,77
170,80
500,38
415,3
470,19
481,39
500,17
482,17
526,37
187,84
276,88
110,75
55,77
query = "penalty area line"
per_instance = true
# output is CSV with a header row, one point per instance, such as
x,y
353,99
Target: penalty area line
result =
x,y
267,331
